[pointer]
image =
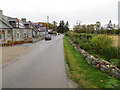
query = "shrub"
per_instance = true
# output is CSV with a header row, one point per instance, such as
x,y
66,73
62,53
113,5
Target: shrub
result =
x,y
30,41
99,45
9,43
110,52
115,62
19,42
101,41
86,46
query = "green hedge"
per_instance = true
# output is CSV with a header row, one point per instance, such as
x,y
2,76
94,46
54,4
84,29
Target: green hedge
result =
x,y
101,46
99,31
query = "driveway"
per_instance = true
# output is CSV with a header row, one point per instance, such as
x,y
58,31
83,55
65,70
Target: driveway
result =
x,y
42,67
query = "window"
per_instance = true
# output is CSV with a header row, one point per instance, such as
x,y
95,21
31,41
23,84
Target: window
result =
x,y
27,25
18,36
9,33
25,35
13,23
0,36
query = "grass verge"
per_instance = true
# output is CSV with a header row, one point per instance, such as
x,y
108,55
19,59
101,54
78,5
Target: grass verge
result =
x,y
84,74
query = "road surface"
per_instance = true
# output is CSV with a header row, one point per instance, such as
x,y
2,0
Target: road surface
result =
x,y
42,67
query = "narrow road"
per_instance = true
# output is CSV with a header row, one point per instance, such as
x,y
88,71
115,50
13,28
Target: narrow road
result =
x,y
42,67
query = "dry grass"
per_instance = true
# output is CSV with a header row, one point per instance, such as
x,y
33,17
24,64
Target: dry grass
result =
x,y
116,39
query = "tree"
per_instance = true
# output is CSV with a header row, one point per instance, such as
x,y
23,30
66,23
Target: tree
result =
x,y
77,27
67,24
63,27
84,27
66,27
62,23
55,25
60,28
51,26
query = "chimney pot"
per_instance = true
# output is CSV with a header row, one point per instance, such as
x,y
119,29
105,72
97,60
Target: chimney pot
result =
x,y
23,19
1,13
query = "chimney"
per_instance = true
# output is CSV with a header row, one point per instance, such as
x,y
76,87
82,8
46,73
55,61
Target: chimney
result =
x,y
1,13
23,19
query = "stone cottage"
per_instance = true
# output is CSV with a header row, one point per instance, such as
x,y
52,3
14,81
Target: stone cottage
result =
x,y
42,28
6,30
39,29
23,31
13,29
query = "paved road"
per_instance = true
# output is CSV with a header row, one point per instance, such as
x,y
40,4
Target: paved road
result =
x,y
42,67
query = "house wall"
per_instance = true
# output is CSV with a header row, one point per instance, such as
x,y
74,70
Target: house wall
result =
x,y
0,24
8,35
5,31
2,35
22,34
33,33
15,34
42,34
5,35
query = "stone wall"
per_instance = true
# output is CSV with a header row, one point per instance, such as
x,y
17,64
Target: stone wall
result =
x,y
102,65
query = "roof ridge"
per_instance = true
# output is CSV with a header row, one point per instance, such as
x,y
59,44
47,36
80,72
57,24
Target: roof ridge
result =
x,y
6,23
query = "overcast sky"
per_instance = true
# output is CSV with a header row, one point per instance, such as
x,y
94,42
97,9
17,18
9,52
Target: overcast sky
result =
x,y
86,11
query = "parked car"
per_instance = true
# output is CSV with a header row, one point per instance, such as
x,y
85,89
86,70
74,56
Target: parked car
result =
x,y
48,37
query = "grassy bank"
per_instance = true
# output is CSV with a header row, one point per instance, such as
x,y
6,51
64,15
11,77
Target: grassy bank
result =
x,y
85,75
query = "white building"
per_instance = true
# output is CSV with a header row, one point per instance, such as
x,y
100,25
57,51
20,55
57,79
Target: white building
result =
x,y
97,25
119,14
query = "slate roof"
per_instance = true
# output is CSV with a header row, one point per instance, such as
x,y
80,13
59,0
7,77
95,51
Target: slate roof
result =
x,y
5,22
34,26
7,18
